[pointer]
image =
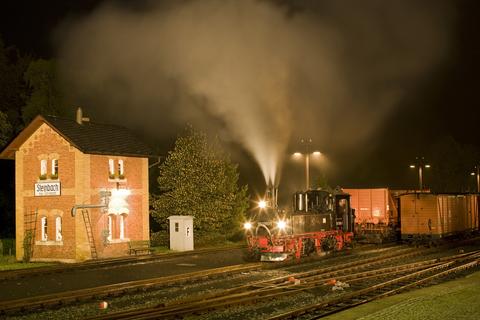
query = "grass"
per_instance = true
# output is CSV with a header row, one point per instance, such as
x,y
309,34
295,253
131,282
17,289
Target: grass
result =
x,y
219,244
457,299
9,263
161,249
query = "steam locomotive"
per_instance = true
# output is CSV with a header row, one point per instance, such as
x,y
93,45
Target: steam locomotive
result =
x,y
319,221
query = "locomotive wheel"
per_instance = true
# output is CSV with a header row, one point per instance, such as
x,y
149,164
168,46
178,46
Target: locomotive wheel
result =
x,y
308,246
252,255
351,244
329,244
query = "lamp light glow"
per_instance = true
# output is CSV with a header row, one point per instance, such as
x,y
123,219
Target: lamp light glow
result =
x,y
412,166
118,201
297,154
262,204
316,153
247,225
281,224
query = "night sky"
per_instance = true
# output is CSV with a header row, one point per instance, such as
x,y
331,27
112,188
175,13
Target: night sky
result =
x,y
435,103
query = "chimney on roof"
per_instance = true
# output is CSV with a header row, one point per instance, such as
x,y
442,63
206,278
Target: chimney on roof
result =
x,y
80,118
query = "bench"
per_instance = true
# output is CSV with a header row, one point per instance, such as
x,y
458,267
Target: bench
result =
x,y
139,246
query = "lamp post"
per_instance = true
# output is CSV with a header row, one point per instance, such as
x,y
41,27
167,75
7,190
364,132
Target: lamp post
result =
x,y
307,154
477,173
420,165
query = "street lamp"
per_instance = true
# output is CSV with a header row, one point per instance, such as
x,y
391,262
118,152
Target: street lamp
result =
x,y
477,173
307,154
420,165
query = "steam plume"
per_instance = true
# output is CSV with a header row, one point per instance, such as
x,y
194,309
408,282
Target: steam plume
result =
x,y
332,70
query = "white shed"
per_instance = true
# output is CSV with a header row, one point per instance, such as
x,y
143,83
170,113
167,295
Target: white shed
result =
x,y
181,233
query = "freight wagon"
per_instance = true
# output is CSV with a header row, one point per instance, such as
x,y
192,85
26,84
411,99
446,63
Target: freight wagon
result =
x,y
427,216
376,214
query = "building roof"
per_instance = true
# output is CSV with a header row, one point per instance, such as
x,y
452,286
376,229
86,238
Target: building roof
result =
x,y
88,137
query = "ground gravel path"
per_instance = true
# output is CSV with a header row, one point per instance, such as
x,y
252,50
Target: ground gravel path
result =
x,y
82,279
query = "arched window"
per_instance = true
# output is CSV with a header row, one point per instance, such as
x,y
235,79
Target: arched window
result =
x,y
122,226
43,167
120,169
110,225
111,168
58,229
44,230
54,169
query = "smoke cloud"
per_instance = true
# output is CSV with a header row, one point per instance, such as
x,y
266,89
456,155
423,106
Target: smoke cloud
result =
x,y
264,71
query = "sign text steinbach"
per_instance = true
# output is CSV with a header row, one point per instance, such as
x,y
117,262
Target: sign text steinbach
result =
x,y
47,189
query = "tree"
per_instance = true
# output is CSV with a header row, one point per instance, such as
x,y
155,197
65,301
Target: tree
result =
x,y
198,179
46,96
5,130
13,90
452,163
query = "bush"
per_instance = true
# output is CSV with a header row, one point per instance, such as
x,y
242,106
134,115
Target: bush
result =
x,y
7,246
210,239
237,236
27,246
160,239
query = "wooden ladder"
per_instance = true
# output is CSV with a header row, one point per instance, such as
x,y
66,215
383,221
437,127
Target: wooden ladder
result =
x,y
88,226
30,227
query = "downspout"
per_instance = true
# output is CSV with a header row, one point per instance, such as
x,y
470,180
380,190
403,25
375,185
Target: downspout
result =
x,y
85,206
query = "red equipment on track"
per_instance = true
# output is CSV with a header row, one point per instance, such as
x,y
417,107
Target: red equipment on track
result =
x,y
320,221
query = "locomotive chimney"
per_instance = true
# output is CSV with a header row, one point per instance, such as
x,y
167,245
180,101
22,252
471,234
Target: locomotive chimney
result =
x,y
80,118
272,196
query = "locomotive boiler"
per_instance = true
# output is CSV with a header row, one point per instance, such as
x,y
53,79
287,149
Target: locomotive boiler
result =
x,y
319,221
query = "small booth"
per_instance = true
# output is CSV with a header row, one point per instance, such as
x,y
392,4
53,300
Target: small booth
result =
x,y
181,233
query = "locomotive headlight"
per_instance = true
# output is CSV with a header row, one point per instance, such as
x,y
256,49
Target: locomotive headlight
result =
x,y
281,224
247,226
262,204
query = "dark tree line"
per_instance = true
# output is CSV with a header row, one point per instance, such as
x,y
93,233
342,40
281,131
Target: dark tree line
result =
x,y
452,163
28,87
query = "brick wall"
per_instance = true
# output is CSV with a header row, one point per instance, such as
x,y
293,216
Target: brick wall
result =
x,y
82,177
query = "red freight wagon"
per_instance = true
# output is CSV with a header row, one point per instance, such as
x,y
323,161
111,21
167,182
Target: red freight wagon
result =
x,y
433,216
376,215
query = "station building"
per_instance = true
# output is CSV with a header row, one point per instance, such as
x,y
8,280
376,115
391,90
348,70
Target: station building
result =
x,y
81,189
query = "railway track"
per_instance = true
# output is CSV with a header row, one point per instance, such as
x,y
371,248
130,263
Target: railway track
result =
x,y
392,286
73,297
105,264
260,291
360,269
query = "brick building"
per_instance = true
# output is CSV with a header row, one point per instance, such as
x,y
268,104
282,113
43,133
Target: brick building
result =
x,y
81,189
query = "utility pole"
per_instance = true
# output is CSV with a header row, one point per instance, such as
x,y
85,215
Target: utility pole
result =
x,y
477,173
307,162
420,164
307,155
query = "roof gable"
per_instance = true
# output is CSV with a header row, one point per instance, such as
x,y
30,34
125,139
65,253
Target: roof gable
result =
x,y
88,137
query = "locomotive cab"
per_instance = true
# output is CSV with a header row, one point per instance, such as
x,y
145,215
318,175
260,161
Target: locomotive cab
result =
x,y
320,210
